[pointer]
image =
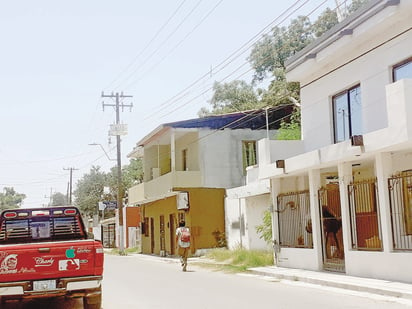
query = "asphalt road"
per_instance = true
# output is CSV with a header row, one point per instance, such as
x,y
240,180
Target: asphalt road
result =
x,y
145,282
140,281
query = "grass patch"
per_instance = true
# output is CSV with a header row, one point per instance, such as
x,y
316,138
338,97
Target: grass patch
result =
x,y
239,260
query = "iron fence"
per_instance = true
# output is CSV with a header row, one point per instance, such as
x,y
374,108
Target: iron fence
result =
x,y
294,220
331,222
400,197
364,215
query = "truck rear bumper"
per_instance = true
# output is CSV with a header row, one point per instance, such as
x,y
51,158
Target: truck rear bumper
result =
x,y
70,287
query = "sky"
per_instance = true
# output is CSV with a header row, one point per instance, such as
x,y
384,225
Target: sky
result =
x,y
57,57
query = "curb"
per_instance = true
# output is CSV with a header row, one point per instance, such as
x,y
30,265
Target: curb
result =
x,y
374,286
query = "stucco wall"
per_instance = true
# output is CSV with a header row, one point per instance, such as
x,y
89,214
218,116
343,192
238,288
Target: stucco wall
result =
x,y
221,156
205,216
234,222
188,141
242,216
255,210
371,70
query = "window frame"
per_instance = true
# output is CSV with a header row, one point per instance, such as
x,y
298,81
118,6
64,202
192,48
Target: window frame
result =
x,y
245,156
399,65
347,94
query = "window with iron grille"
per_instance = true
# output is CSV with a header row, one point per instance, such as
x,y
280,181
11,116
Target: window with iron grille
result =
x,y
364,215
400,197
347,114
295,227
249,154
402,70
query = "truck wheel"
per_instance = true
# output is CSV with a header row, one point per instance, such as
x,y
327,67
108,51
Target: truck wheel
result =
x,y
93,302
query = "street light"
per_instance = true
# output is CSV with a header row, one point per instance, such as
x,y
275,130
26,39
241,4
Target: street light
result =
x,y
107,155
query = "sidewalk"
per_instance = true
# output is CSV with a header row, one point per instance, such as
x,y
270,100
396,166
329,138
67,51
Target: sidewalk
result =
x,y
375,286
329,279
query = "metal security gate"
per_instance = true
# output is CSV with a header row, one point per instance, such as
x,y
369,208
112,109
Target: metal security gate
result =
x,y
364,215
294,219
109,235
400,197
331,222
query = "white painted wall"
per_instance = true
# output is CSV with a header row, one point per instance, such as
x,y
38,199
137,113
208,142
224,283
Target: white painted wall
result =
x,y
255,208
372,70
242,215
221,156
364,58
234,208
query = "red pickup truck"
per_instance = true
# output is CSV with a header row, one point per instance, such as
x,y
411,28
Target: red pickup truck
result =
x,y
45,252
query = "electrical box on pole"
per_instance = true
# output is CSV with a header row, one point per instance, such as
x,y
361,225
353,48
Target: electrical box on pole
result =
x,y
117,130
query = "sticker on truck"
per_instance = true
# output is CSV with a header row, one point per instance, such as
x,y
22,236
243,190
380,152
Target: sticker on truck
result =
x,y
70,264
8,264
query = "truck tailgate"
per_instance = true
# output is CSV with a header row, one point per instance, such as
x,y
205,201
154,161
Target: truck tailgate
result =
x,y
48,260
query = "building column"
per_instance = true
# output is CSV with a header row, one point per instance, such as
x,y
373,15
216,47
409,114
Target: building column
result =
x,y
274,192
345,178
383,167
314,185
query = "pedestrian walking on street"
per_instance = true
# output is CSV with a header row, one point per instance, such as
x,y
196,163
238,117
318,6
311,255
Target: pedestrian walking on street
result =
x,y
183,243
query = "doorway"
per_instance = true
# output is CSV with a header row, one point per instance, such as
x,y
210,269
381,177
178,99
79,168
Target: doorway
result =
x,y
172,231
331,225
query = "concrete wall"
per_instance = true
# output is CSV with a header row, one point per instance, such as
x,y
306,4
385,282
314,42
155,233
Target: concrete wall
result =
x,y
205,216
221,156
189,141
344,68
242,216
255,210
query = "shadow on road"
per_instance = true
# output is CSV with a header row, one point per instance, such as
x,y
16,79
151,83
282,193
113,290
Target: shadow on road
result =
x,y
58,303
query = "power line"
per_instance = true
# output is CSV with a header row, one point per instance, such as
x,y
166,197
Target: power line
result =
x,y
118,130
233,72
148,44
175,47
70,189
233,56
161,44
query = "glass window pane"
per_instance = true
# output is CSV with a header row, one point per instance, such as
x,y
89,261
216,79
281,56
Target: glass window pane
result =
x,y
341,117
355,111
403,71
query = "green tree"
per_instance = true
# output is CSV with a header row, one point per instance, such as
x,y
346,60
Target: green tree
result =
x,y
290,130
89,191
325,21
133,173
268,55
267,59
355,5
58,199
265,229
229,97
10,199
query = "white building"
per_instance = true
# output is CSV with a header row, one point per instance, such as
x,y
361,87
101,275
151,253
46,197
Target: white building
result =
x,y
345,203
245,206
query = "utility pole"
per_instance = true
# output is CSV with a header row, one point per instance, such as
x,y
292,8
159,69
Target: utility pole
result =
x,y
118,130
71,169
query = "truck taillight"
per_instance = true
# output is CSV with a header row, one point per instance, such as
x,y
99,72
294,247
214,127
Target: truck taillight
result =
x,y
10,215
99,250
70,212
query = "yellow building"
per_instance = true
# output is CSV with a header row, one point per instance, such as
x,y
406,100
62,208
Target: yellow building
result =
x,y
204,217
